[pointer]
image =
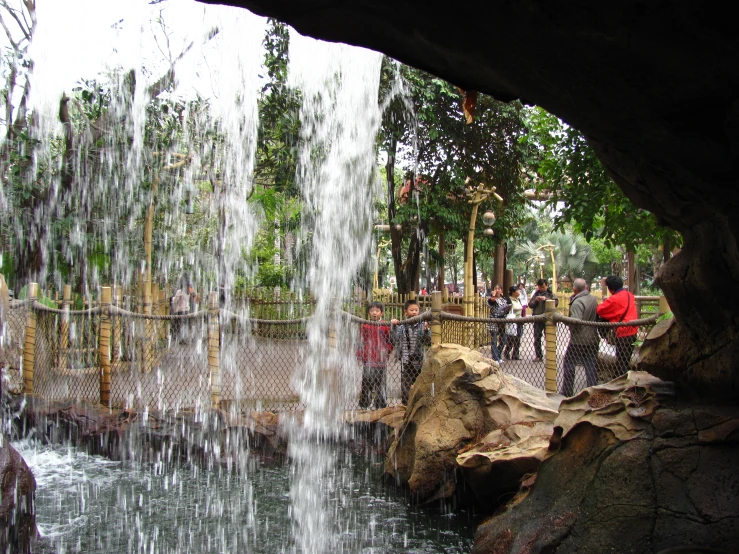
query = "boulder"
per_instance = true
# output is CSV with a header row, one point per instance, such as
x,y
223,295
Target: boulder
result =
x,y
631,472
466,417
17,515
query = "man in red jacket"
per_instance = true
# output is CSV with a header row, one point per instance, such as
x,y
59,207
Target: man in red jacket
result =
x,y
620,306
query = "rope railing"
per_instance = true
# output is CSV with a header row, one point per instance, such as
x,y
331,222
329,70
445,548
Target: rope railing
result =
x,y
70,351
46,309
229,315
115,310
651,320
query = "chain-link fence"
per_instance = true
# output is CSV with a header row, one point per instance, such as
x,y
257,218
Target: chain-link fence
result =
x,y
13,335
131,360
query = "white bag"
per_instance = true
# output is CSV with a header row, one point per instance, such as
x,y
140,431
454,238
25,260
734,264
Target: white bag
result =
x,y
511,329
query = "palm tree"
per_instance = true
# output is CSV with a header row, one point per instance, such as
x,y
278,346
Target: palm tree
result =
x,y
572,254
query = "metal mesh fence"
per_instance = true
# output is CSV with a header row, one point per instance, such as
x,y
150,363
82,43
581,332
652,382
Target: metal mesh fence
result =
x,y
159,362
66,361
515,348
258,361
11,349
163,361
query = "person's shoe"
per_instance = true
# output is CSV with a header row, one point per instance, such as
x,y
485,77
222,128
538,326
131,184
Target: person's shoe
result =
x,y
515,358
506,356
538,359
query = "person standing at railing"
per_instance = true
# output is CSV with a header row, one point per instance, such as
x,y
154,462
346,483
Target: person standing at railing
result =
x,y
538,304
409,340
524,298
620,306
584,340
513,331
180,305
374,351
499,307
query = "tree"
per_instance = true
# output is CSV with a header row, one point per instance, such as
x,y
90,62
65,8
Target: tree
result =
x,y
424,132
564,169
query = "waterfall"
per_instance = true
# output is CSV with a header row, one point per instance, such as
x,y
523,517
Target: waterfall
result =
x,y
340,118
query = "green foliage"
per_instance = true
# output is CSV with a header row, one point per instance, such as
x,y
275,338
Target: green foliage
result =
x,y
563,163
279,122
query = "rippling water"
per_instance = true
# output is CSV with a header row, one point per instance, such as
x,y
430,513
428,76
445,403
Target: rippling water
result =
x,y
94,505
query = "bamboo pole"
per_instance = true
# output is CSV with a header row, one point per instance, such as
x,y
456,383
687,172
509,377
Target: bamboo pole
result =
x,y
436,322
104,346
148,339
29,346
664,307
214,344
117,326
550,333
64,333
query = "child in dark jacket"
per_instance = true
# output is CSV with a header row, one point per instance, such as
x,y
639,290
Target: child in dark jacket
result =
x,y
410,341
374,351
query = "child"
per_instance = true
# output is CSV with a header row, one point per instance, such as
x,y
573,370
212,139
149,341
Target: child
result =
x,y
410,340
374,350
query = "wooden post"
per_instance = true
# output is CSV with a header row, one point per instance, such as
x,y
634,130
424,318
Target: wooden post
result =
x,y
161,310
507,281
214,346
64,333
436,312
149,338
664,307
550,331
117,326
29,346
104,346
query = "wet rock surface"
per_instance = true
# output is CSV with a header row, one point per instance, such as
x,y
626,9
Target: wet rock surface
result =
x,y
215,436
17,519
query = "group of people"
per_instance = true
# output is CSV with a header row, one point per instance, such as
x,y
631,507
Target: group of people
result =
x,y
378,339
506,337
620,306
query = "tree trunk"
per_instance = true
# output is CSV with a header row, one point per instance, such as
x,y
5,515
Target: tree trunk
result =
x,y
499,265
442,252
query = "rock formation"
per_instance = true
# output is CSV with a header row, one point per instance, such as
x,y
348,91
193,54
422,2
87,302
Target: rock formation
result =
x,y
655,477
653,87
466,416
618,467
17,516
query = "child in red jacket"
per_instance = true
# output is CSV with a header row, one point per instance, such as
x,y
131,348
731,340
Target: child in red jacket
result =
x,y
374,352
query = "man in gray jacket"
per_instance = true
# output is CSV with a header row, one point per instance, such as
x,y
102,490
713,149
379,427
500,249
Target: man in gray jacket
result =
x,y
584,340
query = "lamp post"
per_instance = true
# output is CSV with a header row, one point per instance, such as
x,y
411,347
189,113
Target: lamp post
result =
x,y
479,195
380,245
550,248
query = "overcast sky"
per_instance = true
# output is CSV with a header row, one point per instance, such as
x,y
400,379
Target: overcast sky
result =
x,y
77,39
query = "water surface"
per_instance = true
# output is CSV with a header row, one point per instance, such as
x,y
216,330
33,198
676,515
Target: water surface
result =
x,y
94,505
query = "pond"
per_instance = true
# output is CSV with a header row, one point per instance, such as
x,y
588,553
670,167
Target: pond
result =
x,y
91,504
